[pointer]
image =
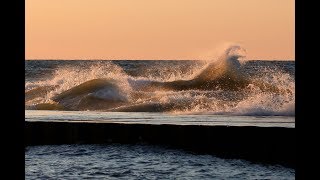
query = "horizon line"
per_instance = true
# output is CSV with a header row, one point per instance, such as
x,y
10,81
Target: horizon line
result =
x,y
147,60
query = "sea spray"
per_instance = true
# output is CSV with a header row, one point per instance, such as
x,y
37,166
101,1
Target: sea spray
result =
x,y
224,85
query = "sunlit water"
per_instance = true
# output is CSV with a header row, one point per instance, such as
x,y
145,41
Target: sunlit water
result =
x,y
196,87
48,82
160,118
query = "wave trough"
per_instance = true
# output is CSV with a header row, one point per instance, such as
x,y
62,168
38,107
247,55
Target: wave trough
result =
x,y
221,86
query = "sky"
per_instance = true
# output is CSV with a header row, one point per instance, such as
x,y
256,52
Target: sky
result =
x,y
158,29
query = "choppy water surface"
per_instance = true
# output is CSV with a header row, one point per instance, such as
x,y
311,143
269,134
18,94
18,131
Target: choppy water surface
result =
x,y
224,85
224,91
116,161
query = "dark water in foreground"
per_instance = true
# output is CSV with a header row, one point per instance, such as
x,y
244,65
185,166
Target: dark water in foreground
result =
x,y
139,162
115,161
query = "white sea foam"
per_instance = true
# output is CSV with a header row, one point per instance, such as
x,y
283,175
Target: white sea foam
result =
x,y
219,87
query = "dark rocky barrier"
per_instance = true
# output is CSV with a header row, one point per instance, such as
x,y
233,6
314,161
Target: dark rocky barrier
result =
x,y
261,144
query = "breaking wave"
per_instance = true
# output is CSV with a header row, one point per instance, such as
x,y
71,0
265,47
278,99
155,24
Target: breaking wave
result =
x,y
221,86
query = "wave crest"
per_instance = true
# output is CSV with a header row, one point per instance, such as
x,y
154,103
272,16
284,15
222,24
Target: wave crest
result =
x,y
222,86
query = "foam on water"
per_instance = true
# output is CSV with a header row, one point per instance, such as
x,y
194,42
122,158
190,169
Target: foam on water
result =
x,y
220,86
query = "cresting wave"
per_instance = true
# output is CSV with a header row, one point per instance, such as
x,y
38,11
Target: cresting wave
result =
x,y
221,86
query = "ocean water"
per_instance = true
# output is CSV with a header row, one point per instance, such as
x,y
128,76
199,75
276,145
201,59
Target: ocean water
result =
x,y
120,161
224,91
223,86
158,118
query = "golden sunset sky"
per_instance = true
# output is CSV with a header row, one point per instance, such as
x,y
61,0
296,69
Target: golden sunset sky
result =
x,y
157,29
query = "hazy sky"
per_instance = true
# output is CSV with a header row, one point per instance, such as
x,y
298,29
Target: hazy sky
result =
x,y
157,29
